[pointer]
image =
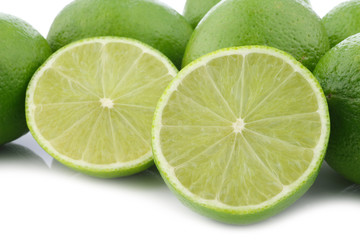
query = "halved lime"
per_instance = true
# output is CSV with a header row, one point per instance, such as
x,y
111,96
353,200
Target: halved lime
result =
x,y
91,104
240,134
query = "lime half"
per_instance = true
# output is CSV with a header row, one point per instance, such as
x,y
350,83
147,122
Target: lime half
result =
x,y
91,104
240,134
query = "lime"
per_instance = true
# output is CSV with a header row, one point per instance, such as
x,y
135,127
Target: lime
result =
x,y
339,74
240,134
146,20
22,51
195,10
90,106
285,24
342,21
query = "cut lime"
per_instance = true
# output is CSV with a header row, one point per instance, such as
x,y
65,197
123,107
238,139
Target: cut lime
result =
x,y
91,104
240,134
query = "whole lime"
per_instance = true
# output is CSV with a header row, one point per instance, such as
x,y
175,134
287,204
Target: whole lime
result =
x,y
22,51
339,74
342,21
284,24
145,20
195,10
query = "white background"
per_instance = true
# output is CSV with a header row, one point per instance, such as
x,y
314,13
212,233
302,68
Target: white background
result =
x,y
41,199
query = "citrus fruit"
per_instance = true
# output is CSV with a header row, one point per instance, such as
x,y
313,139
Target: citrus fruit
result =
x,y
342,21
90,106
195,10
22,51
240,134
285,24
339,74
146,20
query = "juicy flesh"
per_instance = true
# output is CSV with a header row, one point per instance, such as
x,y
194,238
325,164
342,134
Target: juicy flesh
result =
x,y
239,129
95,103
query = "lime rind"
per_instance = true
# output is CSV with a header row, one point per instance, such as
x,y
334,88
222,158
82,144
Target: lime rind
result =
x,y
104,171
251,213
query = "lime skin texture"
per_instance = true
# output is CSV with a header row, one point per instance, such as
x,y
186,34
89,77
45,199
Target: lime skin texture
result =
x,y
195,10
342,21
22,51
288,25
146,20
339,75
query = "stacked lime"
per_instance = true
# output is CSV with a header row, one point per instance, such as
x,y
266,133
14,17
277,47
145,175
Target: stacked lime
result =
x,y
22,51
146,20
342,21
284,24
339,74
195,10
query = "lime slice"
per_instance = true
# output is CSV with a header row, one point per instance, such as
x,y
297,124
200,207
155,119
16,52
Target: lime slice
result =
x,y
91,104
240,134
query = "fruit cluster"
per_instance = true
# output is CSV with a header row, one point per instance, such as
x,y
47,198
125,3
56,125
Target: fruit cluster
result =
x,y
239,133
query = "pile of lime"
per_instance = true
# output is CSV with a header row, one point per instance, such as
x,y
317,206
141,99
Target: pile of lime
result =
x,y
238,134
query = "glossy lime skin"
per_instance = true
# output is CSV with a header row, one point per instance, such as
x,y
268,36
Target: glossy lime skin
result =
x,y
284,24
342,21
146,20
339,74
22,51
195,10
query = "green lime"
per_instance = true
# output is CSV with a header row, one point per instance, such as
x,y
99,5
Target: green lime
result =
x,y
339,74
342,21
195,10
91,105
285,24
22,51
240,133
146,20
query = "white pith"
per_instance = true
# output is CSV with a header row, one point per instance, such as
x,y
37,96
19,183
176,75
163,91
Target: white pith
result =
x,y
107,103
239,125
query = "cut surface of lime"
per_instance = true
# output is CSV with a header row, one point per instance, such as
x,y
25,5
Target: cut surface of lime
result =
x,y
240,134
91,104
